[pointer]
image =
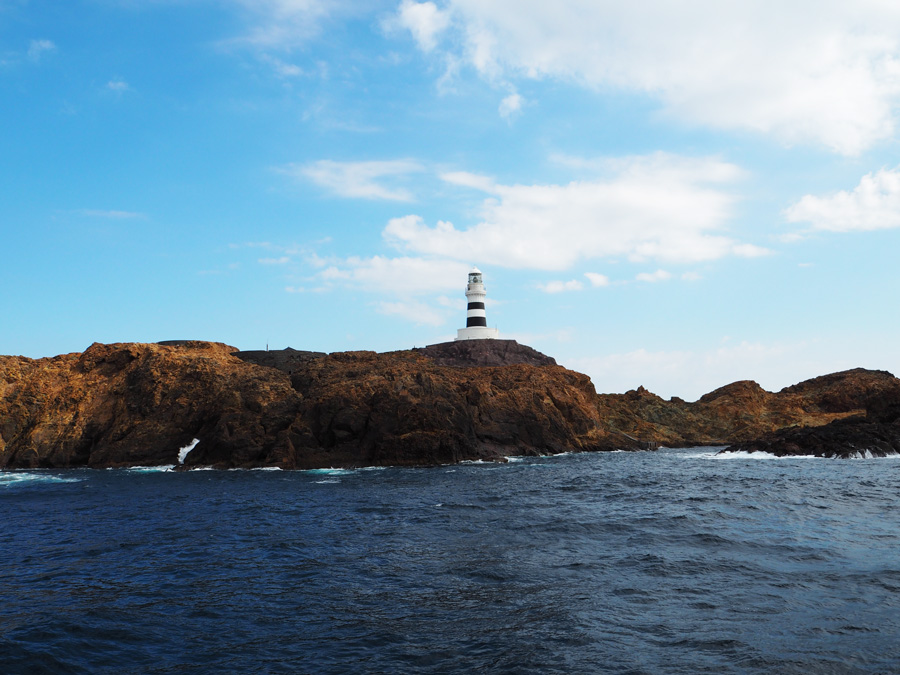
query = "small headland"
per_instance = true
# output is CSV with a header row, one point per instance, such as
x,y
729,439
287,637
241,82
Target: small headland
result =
x,y
867,403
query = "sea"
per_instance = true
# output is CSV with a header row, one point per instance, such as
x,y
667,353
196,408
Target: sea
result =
x,y
674,561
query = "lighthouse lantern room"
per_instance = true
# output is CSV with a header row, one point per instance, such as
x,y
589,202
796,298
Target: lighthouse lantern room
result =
x,y
476,321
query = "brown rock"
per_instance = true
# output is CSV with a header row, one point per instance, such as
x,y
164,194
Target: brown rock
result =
x,y
137,404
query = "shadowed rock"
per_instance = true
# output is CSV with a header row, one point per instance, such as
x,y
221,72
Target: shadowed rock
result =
x,y
471,353
874,432
138,404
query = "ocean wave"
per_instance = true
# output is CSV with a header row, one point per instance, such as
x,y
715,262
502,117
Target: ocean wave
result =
x,y
867,454
13,478
150,469
742,454
186,450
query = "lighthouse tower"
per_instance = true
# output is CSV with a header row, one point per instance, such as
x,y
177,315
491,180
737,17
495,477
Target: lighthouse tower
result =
x,y
476,322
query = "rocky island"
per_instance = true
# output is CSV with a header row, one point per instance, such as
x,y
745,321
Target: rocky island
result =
x,y
134,404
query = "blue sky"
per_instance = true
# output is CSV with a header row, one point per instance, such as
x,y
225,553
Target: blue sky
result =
x,y
674,195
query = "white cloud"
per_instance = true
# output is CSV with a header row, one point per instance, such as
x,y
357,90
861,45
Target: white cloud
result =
x,y
117,85
824,72
284,24
37,48
424,20
404,277
652,277
510,105
471,180
364,180
105,213
456,303
283,260
560,286
659,207
874,204
597,280
690,374
282,68
750,251
417,312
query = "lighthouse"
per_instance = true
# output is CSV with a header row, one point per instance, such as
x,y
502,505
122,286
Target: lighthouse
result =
x,y
476,321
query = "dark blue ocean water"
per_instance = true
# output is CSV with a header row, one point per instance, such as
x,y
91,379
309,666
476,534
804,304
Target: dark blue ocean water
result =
x,y
666,562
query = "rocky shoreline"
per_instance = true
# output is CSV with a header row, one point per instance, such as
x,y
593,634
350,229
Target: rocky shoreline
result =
x,y
135,404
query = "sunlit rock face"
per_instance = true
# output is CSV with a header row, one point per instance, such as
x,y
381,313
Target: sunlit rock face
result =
x,y
140,404
143,404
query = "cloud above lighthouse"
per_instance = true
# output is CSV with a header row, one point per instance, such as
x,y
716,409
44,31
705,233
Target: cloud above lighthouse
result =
x,y
658,207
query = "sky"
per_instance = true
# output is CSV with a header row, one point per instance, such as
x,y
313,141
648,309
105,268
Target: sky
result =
x,y
672,195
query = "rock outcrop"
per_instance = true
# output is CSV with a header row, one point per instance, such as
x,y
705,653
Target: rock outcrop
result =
x,y
873,431
139,404
472,353
737,412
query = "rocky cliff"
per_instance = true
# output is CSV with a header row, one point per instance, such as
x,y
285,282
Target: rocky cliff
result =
x,y
869,427
139,404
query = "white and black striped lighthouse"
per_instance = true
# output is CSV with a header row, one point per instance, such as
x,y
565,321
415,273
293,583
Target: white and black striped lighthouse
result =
x,y
476,320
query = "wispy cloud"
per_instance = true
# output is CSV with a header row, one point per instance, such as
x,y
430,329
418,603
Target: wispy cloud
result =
x,y
561,286
118,85
653,277
404,276
104,213
281,68
360,180
414,311
510,106
37,49
286,24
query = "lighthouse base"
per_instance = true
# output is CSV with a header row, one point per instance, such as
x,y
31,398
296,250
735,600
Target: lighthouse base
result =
x,y
477,333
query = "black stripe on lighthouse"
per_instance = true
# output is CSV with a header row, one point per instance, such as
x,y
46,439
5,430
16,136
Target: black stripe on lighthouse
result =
x,y
476,305
476,321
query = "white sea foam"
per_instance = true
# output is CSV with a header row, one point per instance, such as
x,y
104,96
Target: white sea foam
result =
x,y
867,454
11,478
151,469
741,454
185,451
331,471
325,482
